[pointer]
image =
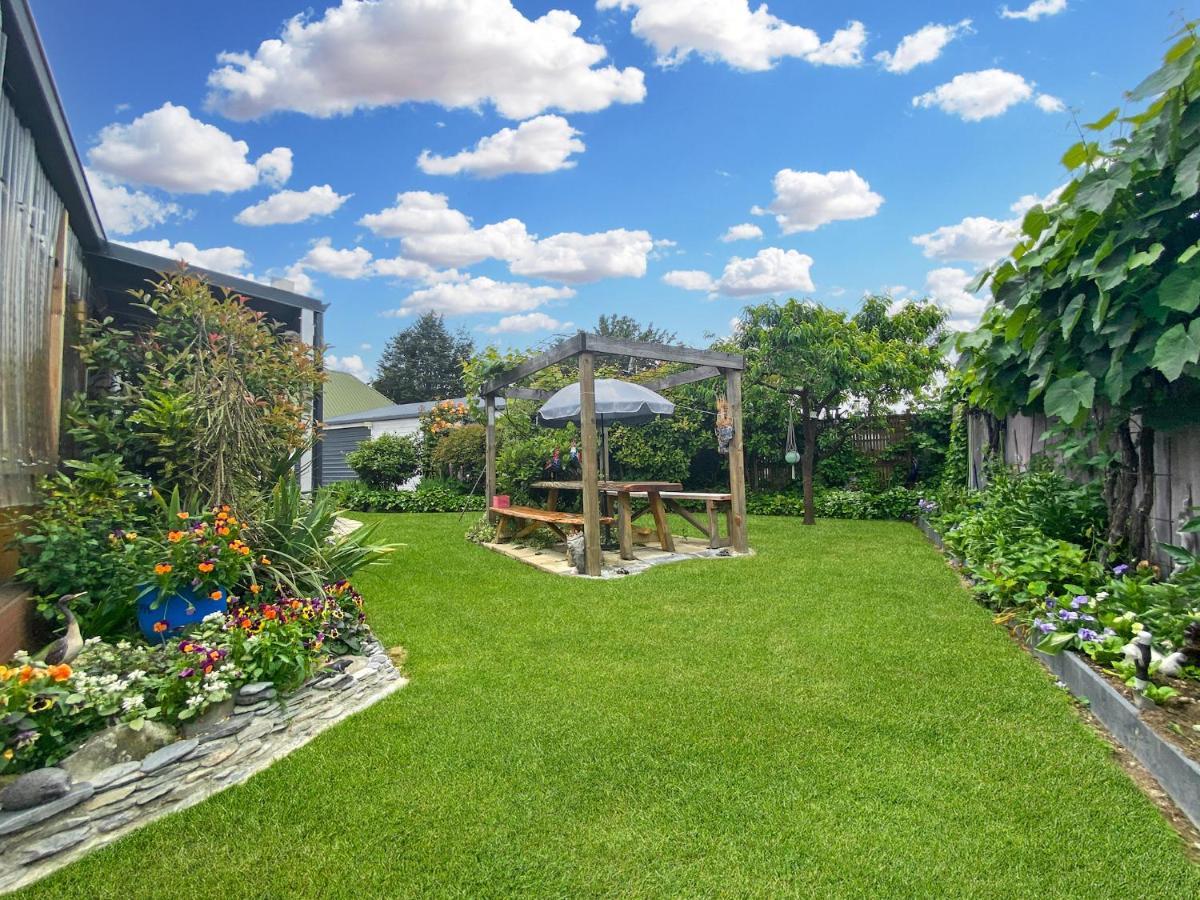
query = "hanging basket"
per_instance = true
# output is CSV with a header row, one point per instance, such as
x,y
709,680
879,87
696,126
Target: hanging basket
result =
x,y
791,455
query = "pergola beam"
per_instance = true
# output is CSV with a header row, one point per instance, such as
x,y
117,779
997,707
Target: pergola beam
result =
x,y
687,376
523,393
568,348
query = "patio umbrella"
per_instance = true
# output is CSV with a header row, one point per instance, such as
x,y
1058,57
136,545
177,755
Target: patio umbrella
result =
x,y
617,402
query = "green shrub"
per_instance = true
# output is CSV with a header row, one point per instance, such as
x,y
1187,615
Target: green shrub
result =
x,y
357,496
893,503
84,537
522,461
385,462
461,452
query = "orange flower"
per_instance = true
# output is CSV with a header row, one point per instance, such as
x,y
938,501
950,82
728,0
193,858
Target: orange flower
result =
x,y
205,567
163,568
244,550
59,673
174,536
160,626
265,561
215,595
255,588
27,672
223,531
270,612
245,623
224,507
183,515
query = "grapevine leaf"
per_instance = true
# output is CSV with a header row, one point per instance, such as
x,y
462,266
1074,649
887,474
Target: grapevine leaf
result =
x,y
1068,398
1175,350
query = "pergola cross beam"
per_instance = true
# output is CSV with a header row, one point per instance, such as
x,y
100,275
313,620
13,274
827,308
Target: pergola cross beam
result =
x,y
705,364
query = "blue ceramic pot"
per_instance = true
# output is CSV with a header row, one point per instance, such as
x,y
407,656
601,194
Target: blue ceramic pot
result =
x,y
184,607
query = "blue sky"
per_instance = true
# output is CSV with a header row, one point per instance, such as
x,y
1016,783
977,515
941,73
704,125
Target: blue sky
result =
x,y
586,158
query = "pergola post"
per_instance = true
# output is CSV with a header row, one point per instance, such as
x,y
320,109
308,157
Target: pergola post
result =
x,y
489,402
737,463
590,461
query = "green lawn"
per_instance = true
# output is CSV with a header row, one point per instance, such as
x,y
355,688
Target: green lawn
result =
x,y
833,717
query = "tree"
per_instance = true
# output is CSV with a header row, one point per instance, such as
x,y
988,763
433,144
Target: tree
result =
x,y
423,362
1095,317
627,328
826,362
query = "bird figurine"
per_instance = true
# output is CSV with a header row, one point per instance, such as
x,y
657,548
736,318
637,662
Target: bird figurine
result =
x,y
67,647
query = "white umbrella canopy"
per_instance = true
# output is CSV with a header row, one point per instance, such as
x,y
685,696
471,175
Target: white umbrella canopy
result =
x,y
616,402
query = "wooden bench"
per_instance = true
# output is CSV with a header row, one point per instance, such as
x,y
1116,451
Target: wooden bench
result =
x,y
715,504
534,518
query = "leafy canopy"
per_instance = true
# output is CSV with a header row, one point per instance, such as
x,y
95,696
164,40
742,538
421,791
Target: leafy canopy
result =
x,y
1097,303
423,362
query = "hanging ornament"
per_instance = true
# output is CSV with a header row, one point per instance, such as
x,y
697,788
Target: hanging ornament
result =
x,y
724,427
791,455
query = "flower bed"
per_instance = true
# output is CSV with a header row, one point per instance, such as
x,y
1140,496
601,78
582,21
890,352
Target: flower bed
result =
x,y
124,778
1165,735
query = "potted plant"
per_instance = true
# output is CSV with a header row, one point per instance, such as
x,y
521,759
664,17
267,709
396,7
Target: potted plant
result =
x,y
200,559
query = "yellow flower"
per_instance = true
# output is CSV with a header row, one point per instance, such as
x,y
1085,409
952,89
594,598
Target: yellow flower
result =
x,y
6,673
1136,627
131,536
8,754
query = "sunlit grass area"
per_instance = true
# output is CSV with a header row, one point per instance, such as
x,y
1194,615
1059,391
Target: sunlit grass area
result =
x,y
831,717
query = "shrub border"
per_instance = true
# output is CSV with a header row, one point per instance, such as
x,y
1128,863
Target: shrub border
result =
x,y
1176,773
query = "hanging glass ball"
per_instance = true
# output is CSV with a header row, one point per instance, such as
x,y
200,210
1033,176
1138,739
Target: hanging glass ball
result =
x,y
792,457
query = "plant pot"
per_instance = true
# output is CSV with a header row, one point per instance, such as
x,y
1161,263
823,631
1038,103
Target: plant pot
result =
x,y
182,608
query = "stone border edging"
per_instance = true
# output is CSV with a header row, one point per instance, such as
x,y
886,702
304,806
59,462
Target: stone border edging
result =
x,y
1174,770
126,796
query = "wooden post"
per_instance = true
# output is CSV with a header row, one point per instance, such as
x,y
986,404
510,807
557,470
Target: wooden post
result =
x,y
589,451
56,332
489,401
737,463
625,524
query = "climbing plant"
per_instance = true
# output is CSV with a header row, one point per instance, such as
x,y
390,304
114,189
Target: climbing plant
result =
x,y
1093,316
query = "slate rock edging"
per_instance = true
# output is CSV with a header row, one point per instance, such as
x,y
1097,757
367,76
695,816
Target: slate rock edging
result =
x,y
120,798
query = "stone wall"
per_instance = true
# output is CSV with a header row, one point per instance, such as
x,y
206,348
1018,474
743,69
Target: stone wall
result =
x,y
258,730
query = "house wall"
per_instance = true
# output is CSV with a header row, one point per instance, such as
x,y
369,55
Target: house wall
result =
x,y
335,444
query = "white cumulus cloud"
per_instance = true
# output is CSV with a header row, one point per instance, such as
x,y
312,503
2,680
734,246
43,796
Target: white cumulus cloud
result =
x,y
729,31
974,96
352,363
170,149
289,207
350,262
1035,10
480,295
124,211
229,260
747,231
526,323
922,46
535,147
947,287
433,232
456,53
770,271
974,239
804,201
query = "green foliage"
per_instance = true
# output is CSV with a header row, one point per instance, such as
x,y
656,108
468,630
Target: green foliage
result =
x,y
423,362
522,460
1028,536
210,397
385,462
482,531
839,463
83,537
1097,306
826,359
357,496
461,452
892,503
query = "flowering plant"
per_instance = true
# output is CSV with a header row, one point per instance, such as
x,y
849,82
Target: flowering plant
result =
x,y
444,416
204,552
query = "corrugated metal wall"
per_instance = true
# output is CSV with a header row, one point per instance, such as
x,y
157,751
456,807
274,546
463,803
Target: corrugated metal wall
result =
x,y
335,444
31,215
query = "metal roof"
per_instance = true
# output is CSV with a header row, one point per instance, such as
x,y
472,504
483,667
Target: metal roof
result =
x,y
395,411
346,395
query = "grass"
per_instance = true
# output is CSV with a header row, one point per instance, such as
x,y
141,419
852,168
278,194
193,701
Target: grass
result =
x,y
832,717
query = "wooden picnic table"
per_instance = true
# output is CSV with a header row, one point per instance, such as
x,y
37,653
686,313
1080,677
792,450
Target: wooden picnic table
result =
x,y
623,491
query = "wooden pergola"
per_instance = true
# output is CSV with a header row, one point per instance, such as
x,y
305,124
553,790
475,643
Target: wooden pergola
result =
x,y
704,364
